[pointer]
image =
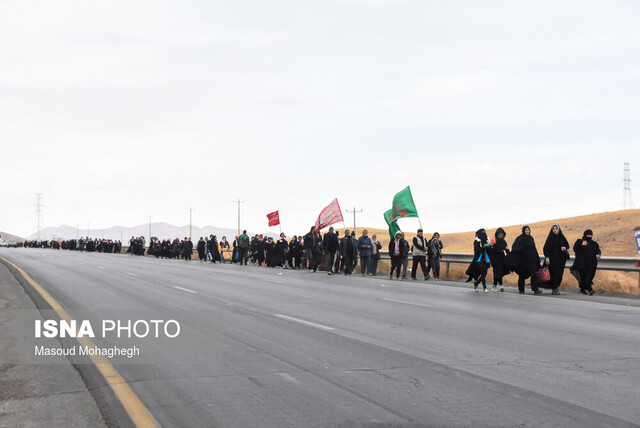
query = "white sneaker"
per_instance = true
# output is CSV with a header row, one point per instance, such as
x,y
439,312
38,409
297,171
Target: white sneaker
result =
x,y
486,290
476,288
495,288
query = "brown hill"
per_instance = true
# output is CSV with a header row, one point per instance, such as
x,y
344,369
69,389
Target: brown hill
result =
x,y
614,231
9,237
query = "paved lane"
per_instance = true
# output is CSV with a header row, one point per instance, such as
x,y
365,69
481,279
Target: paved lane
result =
x,y
304,349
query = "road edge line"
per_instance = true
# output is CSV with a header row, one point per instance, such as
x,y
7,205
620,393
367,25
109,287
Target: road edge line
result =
x,y
137,411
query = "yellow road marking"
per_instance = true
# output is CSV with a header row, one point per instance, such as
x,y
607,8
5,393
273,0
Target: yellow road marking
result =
x,y
137,411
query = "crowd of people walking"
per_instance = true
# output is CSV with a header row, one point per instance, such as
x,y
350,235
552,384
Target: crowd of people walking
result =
x,y
343,254
525,261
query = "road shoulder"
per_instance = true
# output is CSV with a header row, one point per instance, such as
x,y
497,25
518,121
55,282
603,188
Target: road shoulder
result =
x,y
51,395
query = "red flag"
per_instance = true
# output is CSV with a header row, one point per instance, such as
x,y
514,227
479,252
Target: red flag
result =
x,y
274,218
330,214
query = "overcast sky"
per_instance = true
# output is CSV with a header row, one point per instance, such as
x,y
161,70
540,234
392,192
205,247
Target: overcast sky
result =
x,y
495,112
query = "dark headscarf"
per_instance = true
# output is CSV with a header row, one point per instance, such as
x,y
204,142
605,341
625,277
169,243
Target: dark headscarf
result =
x,y
587,232
482,235
553,236
523,241
499,231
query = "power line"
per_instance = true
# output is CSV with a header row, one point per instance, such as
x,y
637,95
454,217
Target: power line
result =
x,y
627,197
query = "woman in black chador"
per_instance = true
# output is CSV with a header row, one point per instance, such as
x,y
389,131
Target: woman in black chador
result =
x,y
556,252
587,254
528,260
480,265
497,254
213,249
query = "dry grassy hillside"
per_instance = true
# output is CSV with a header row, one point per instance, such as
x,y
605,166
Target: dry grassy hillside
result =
x,y
614,231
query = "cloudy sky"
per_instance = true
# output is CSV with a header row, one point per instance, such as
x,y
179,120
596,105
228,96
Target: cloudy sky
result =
x,y
495,112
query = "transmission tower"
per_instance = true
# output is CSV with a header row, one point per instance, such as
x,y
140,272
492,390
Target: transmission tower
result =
x,y
627,197
39,206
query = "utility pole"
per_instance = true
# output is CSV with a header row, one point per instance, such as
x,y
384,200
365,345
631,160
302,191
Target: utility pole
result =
x,y
150,228
190,220
627,198
238,202
77,232
39,207
121,236
354,211
87,230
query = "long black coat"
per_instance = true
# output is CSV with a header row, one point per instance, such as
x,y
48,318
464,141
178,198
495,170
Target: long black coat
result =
x,y
586,259
497,255
526,255
552,249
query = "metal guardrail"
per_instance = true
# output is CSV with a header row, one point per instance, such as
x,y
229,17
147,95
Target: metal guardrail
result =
x,y
620,264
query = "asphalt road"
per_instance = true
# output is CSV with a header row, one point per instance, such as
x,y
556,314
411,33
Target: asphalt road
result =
x,y
312,350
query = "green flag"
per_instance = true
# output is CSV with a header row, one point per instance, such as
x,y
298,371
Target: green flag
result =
x,y
393,225
403,206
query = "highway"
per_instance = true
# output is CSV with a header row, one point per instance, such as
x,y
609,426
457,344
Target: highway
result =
x,y
312,350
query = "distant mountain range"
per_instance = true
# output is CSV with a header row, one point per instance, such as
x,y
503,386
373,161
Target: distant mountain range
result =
x,y
4,236
160,230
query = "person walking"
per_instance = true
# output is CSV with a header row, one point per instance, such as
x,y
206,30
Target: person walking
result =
x,y
349,251
527,260
280,252
434,254
376,246
586,263
187,249
310,244
330,247
243,248
201,246
405,259
364,249
497,253
480,265
556,253
398,251
420,251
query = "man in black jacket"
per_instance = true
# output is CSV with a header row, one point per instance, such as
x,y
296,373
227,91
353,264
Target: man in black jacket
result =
x,y
310,243
187,249
349,251
330,246
398,250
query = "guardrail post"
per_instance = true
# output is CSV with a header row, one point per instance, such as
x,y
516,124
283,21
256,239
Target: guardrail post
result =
x,y
446,271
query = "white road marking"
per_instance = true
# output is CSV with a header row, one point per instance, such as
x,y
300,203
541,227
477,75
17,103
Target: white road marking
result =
x,y
101,267
288,377
183,289
312,324
129,273
277,282
406,303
